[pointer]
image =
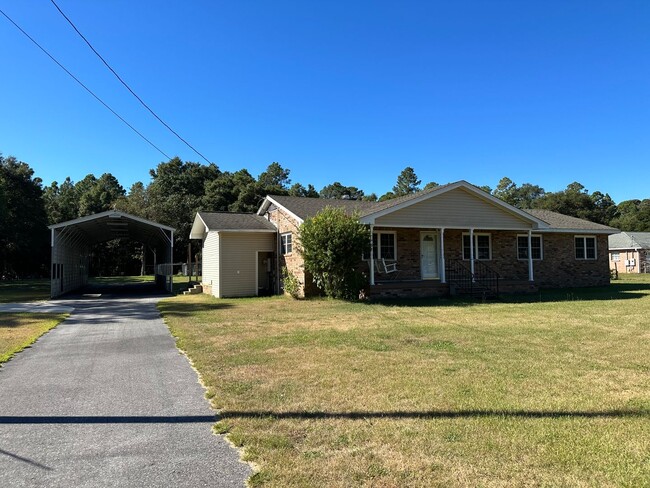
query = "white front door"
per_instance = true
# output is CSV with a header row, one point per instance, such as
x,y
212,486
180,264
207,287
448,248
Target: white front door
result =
x,y
429,255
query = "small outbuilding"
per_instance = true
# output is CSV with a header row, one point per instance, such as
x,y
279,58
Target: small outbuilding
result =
x,y
238,254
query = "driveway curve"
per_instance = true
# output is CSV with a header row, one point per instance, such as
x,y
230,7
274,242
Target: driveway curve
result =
x,y
106,399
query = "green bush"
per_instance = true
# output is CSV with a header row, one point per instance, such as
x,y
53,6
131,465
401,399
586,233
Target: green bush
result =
x,y
290,283
332,244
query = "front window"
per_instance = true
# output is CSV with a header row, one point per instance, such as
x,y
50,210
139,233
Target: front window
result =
x,y
585,247
482,247
616,256
384,245
535,247
287,245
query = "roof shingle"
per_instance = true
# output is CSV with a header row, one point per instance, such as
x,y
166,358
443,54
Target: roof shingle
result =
x,y
235,221
561,221
630,240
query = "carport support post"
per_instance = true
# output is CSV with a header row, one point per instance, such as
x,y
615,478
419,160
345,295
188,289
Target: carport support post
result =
x,y
171,260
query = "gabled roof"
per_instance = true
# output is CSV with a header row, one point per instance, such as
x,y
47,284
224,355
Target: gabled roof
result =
x,y
229,222
384,208
113,224
304,207
630,240
558,221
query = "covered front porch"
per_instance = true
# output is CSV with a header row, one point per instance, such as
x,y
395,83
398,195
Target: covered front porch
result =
x,y
418,262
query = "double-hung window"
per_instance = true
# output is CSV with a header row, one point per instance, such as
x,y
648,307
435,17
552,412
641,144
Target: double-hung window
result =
x,y
535,247
585,247
384,245
286,243
482,247
616,256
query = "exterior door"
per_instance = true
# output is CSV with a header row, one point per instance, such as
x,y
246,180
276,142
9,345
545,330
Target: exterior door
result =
x,y
429,255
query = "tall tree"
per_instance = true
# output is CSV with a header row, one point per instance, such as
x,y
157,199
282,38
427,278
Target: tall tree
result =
x,y
633,216
407,183
297,190
523,196
337,190
23,233
98,194
176,192
274,180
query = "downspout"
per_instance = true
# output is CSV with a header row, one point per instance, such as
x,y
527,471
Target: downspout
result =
x,y
52,265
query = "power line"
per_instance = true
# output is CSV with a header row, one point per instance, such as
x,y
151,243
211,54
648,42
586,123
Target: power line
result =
x,y
125,84
81,83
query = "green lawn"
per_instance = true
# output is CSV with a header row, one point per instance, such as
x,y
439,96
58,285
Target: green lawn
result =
x,y
552,391
24,290
19,330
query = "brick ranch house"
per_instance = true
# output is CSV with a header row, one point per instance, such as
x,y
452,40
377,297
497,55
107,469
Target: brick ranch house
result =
x,y
450,239
629,252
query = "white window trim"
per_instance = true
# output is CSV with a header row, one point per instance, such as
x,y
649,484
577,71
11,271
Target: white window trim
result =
x,y
541,246
616,256
476,234
584,238
283,246
377,248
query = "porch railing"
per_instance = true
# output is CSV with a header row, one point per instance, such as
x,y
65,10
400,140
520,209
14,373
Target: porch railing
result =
x,y
484,281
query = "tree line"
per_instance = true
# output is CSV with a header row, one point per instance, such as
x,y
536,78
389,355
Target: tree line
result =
x,y
177,189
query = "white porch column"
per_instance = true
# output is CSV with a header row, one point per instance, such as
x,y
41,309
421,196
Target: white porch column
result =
x,y
471,252
530,256
372,256
443,277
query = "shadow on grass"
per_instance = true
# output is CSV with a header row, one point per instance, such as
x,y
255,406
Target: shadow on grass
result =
x,y
615,291
106,419
24,290
181,309
440,414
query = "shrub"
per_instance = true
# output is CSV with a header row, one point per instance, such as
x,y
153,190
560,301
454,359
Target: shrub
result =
x,y
332,244
290,284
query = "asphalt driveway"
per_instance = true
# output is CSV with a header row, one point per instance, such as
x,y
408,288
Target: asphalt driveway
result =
x,y
106,399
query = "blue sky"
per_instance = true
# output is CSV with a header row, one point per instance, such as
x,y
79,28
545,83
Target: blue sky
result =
x,y
545,92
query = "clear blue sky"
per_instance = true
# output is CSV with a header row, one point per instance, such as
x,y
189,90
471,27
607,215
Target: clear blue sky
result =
x,y
546,92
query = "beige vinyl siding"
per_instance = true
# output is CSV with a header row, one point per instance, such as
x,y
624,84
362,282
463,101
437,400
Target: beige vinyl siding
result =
x,y
210,261
239,261
454,209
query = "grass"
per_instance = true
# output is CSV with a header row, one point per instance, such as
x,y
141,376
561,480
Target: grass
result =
x,y
20,330
552,391
24,290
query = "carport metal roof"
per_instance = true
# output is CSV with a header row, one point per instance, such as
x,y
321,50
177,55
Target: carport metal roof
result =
x,y
112,224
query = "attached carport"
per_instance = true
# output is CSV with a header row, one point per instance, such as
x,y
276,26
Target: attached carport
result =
x,y
71,243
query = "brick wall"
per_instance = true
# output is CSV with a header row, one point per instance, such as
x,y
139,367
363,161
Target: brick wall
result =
x,y
293,261
558,269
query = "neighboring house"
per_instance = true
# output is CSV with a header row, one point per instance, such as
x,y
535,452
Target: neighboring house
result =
x,y
629,252
440,241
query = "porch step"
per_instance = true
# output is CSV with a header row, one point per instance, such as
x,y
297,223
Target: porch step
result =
x,y
195,290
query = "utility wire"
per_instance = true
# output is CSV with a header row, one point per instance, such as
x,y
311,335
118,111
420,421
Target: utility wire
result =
x,y
81,83
125,84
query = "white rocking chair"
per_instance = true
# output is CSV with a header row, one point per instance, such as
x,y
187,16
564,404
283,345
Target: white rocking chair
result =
x,y
385,268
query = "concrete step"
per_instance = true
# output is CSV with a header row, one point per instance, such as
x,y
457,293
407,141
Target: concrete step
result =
x,y
195,290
